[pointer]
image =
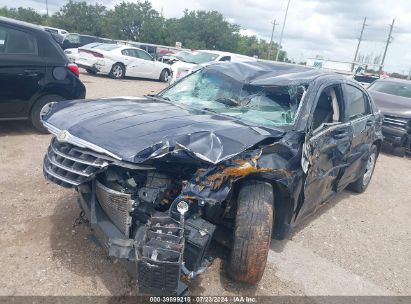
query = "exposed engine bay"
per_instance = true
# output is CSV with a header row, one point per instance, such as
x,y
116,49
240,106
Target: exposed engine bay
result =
x,y
164,233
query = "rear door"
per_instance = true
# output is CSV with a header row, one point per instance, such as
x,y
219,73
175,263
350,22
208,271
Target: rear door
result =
x,y
132,62
21,70
359,114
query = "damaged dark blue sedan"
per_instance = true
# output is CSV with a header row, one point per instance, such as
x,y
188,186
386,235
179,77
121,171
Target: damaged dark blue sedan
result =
x,y
239,150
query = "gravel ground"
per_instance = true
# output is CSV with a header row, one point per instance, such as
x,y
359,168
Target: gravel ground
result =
x,y
357,245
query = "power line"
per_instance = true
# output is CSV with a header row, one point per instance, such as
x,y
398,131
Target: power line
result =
x,y
359,43
389,39
271,39
282,32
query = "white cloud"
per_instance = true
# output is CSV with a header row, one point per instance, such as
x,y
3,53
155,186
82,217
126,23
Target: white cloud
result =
x,y
314,27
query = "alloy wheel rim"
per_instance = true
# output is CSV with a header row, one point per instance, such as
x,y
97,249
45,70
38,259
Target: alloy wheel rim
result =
x,y
45,109
117,71
369,169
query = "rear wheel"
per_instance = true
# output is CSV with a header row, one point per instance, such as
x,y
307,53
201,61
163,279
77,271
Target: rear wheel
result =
x,y
41,108
165,75
252,232
361,184
117,71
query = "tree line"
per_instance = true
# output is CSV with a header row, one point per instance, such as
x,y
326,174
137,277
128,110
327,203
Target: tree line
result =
x,y
139,21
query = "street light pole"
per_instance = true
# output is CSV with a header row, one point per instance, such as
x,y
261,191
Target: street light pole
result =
x,y
282,32
386,46
271,39
359,43
47,8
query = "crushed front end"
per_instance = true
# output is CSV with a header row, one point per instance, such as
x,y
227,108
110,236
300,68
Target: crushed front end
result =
x,y
136,214
397,132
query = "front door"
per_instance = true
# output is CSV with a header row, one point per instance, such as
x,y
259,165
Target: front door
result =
x,y
21,69
326,148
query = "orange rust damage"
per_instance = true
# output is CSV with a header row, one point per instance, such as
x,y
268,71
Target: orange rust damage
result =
x,y
245,168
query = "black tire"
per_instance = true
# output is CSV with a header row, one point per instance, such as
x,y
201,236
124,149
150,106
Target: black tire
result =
x,y
35,114
252,232
165,75
361,184
118,71
91,71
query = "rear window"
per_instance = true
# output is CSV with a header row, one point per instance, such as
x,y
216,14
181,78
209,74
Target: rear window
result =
x,y
107,47
16,42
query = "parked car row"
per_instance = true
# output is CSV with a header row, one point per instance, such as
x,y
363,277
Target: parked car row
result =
x,y
119,61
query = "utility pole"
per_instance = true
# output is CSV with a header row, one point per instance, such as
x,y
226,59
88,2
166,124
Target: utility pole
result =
x,y
409,75
271,39
386,46
47,8
359,43
282,32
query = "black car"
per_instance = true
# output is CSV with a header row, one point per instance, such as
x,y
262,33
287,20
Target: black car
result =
x,y
245,150
74,40
393,98
34,72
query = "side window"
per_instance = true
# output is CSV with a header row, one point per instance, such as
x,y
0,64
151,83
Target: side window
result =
x,y
356,102
126,52
225,58
73,38
16,42
144,55
328,108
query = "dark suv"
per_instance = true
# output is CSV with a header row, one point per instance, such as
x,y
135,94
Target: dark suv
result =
x,y
246,150
34,72
74,40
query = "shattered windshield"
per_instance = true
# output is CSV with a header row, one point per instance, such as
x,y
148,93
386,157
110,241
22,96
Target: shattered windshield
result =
x,y
212,90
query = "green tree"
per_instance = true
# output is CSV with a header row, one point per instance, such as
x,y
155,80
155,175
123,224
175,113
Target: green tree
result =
x,y
80,17
23,14
135,21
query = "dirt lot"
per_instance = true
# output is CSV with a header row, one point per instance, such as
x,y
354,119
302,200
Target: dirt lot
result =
x,y
358,245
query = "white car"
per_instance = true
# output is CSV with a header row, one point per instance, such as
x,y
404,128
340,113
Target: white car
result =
x,y
119,61
72,53
198,59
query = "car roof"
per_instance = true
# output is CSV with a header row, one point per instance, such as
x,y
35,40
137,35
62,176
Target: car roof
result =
x,y
264,72
30,26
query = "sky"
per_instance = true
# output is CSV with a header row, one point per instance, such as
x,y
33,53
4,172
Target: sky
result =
x,y
327,28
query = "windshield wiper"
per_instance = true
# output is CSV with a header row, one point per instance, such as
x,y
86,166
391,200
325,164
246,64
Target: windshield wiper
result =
x,y
158,97
228,101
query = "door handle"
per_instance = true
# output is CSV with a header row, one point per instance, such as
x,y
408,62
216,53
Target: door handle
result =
x,y
369,122
30,72
339,134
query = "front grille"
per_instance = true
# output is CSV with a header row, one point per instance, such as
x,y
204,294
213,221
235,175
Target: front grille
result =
x,y
396,122
70,166
117,206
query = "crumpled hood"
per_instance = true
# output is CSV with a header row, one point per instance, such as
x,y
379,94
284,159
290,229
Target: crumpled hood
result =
x,y
392,105
138,129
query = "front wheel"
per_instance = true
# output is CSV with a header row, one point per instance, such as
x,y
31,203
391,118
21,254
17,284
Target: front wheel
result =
x,y
117,71
165,76
252,232
361,184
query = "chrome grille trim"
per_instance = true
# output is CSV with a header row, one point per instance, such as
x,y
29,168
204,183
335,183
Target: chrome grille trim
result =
x,y
70,166
396,121
117,206
78,141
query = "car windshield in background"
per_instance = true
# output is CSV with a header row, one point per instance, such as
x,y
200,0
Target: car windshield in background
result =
x,y
200,57
392,88
107,47
214,91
